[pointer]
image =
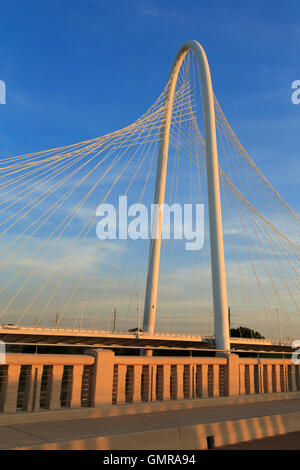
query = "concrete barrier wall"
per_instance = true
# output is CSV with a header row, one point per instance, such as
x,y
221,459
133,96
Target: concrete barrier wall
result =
x,y
30,382
33,382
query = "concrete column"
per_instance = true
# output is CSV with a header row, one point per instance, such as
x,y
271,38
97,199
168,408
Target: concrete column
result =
x,y
10,399
204,381
216,390
260,379
27,403
55,387
285,378
251,378
137,389
278,385
264,379
103,372
242,379
192,381
233,363
76,386
121,398
180,395
153,372
34,390
270,386
293,377
198,381
166,385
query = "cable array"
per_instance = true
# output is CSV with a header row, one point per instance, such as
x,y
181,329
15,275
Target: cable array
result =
x,y
55,271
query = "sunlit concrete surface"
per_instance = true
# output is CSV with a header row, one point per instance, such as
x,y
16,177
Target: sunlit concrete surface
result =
x,y
290,441
173,429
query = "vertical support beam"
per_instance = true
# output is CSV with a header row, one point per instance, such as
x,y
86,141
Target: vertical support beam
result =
x,y
153,373
251,379
35,389
166,381
214,201
102,384
285,379
198,381
76,386
10,399
137,383
242,379
180,369
55,387
260,379
204,380
277,372
159,199
270,385
216,391
27,389
233,378
297,376
293,377
192,381
121,398
189,382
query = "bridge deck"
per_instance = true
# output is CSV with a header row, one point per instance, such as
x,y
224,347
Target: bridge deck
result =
x,y
102,338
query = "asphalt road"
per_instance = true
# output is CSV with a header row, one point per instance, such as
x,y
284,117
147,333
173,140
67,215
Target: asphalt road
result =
x,y
290,441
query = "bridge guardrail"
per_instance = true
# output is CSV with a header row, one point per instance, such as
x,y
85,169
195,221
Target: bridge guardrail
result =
x,y
32,382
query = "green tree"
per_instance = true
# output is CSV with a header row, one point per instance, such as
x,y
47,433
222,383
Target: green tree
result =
x,y
244,332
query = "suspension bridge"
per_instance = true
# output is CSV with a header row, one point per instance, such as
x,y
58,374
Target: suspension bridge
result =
x,y
55,272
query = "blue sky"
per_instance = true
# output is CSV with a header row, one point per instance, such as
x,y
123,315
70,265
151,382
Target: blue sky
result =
x,y
78,69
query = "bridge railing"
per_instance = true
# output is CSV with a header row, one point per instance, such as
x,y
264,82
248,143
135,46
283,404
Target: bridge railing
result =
x,y
167,378
33,382
267,376
10,328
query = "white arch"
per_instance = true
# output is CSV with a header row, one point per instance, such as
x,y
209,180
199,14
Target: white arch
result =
x,y
214,203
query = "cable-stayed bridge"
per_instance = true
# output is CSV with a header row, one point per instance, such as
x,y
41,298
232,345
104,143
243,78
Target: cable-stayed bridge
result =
x,y
86,260
55,270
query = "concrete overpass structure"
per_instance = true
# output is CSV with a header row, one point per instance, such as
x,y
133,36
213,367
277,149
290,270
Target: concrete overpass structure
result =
x,y
24,335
